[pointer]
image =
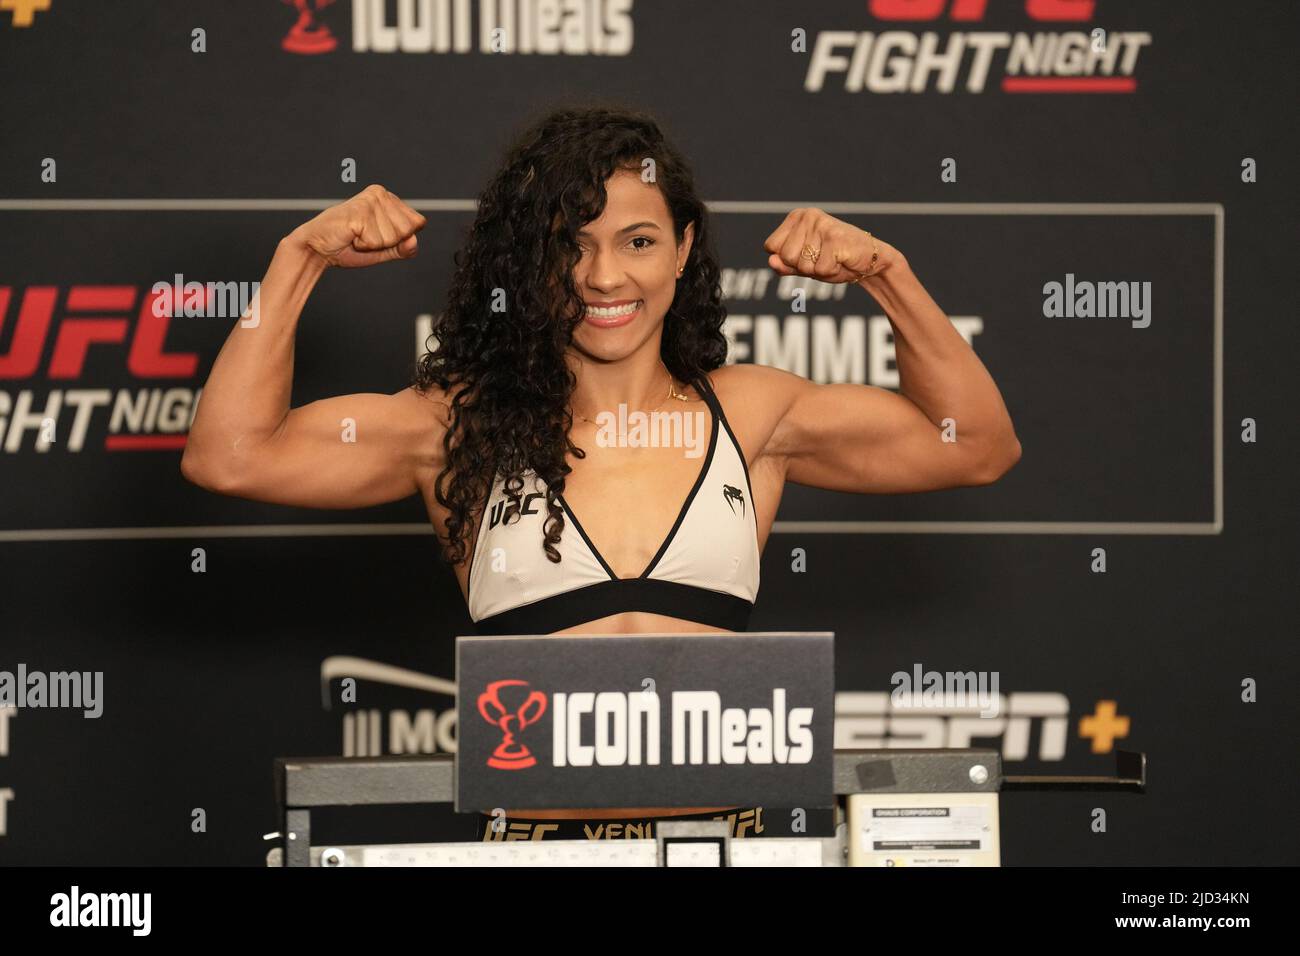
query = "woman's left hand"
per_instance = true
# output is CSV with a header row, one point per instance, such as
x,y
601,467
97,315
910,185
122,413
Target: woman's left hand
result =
x,y
811,242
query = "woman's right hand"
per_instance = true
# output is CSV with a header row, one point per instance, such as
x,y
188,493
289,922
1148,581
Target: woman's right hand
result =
x,y
373,226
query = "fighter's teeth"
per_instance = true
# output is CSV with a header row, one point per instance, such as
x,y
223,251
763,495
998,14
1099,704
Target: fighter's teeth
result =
x,y
609,313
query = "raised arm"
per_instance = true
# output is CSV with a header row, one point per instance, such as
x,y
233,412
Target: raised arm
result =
x,y
869,440
350,451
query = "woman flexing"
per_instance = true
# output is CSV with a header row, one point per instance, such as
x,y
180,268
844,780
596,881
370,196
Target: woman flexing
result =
x,y
589,281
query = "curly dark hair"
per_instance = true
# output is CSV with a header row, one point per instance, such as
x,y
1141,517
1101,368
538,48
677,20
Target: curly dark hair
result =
x,y
503,369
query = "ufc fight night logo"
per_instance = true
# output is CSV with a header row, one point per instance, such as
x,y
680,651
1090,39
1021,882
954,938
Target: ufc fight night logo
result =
x,y
1066,50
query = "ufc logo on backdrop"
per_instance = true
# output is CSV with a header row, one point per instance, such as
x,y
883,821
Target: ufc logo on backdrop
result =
x,y
84,325
974,9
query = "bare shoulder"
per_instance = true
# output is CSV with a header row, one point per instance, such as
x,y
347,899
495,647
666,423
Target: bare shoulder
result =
x,y
748,378
756,399
423,416
427,404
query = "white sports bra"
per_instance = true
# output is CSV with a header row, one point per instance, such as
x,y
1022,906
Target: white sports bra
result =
x,y
706,570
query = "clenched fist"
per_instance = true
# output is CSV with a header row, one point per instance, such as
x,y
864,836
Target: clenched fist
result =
x,y
811,242
373,226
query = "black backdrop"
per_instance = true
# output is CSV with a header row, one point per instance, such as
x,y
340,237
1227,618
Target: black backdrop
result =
x,y
1132,437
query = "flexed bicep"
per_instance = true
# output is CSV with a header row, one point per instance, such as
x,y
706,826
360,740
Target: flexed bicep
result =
x,y
349,451
868,440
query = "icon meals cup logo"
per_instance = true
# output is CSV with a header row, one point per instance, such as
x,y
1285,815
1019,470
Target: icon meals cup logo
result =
x,y
306,35
510,754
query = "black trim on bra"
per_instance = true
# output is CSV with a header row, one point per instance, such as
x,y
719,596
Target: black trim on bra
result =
x,y
642,593
595,601
740,451
577,525
681,513
695,488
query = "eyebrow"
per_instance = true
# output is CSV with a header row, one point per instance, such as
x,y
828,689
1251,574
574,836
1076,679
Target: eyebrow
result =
x,y
635,225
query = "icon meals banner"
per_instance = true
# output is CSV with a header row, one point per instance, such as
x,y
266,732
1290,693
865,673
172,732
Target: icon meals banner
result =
x,y
644,721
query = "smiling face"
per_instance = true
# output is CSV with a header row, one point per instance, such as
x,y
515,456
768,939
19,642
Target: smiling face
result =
x,y
628,271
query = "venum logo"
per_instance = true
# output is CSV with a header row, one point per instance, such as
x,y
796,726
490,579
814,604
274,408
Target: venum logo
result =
x,y
731,494
510,754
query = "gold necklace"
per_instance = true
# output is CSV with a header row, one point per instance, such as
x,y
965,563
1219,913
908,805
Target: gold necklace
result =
x,y
672,393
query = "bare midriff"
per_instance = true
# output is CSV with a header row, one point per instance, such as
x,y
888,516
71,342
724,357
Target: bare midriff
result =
x,y
630,623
